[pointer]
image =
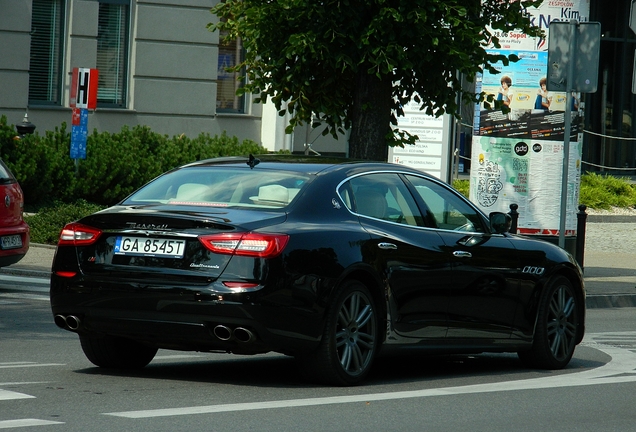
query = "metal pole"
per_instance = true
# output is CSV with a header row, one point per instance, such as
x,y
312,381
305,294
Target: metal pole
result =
x,y
581,222
567,130
514,216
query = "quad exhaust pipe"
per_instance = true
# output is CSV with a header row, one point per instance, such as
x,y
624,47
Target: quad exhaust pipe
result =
x,y
68,322
239,334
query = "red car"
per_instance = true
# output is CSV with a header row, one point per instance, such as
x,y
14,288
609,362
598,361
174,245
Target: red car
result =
x,y
14,231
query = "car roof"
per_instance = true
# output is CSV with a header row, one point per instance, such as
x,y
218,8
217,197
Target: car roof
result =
x,y
309,164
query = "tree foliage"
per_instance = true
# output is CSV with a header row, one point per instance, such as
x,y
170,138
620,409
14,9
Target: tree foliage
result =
x,y
352,64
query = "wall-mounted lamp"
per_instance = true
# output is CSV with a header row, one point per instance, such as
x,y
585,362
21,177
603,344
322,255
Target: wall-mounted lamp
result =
x,y
26,127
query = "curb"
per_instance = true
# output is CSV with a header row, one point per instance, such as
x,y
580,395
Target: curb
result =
x,y
610,301
611,218
39,273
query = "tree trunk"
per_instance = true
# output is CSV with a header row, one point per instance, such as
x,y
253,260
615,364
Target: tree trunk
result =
x,y
371,117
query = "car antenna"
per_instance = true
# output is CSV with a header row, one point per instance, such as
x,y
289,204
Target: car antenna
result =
x,y
252,161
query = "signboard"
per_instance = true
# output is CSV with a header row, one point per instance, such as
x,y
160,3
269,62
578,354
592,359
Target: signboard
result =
x,y
585,39
84,88
83,96
430,152
79,133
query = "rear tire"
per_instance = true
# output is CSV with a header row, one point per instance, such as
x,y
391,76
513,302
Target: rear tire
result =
x,y
350,340
118,353
556,328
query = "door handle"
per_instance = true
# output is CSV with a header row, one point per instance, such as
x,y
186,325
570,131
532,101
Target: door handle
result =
x,y
387,246
462,254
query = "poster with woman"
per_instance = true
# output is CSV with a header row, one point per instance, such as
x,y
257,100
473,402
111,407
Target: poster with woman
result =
x,y
517,152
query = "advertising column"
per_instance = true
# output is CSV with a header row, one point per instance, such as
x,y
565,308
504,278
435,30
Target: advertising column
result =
x,y
517,157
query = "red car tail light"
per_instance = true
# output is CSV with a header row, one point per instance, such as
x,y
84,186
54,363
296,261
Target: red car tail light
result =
x,y
240,285
246,244
66,274
75,234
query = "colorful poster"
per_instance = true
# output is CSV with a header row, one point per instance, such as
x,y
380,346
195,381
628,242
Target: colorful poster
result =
x,y
527,173
517,156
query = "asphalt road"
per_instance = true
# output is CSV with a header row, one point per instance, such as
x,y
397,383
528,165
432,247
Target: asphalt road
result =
x,y
46,384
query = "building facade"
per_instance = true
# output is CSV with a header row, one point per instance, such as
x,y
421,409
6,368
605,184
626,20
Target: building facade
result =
x,y
159,66
609,140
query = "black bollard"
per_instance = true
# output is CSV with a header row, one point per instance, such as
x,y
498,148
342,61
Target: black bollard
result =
x,y
514,215
581,222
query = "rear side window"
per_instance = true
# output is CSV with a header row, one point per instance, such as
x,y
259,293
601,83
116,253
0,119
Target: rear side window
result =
x,y
381,196
220,186
6,176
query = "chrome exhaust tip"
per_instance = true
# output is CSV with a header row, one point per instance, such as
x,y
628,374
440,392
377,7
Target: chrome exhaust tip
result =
x,y
73,322
244,335
60,321
222,332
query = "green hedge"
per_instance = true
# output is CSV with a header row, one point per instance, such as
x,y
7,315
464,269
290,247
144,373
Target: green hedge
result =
x,y
116,163
47,223
600,191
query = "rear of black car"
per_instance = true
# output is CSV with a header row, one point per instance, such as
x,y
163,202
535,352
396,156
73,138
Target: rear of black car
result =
x,y
189,272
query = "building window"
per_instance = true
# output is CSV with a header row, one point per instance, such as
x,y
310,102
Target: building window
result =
x,y
112,52
230,54
47,38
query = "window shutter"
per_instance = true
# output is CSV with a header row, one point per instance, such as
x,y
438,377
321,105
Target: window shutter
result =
x,y
112,53
47,37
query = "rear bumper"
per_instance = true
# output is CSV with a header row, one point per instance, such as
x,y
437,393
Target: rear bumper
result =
x,y
12,256
178,318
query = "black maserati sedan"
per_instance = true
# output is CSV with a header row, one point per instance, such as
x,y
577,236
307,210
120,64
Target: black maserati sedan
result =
x,y
332,262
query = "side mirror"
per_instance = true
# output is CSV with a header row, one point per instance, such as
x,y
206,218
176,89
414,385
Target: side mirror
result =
x,y
499,222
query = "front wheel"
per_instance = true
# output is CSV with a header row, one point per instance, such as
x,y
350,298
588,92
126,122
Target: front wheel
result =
x,y
350,340
555,333
119,353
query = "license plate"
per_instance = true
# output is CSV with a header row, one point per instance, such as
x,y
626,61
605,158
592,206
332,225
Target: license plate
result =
x,y
11,242
149,247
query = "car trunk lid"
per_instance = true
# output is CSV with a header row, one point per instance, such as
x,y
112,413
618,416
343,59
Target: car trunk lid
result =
x,y
160,243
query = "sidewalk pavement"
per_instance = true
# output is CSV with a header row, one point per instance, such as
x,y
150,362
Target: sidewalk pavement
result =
x,y
609,262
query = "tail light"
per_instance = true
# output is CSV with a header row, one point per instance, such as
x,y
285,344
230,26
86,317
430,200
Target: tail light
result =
x,y
246,244
76,234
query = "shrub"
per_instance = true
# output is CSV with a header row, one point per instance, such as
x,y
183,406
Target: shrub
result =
x,y
116,163
462,186
603,192
47,223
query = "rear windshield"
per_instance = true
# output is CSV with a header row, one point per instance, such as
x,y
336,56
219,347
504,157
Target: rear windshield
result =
x,y
220,186
5,175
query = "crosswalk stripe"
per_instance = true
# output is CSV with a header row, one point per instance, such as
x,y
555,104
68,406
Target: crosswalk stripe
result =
x,y
9,395
6,424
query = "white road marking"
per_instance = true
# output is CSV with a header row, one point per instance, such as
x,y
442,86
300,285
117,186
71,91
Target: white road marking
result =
x,y
10,395
176,357
19,365
7,424
25,279
23,296
16,363
620,369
